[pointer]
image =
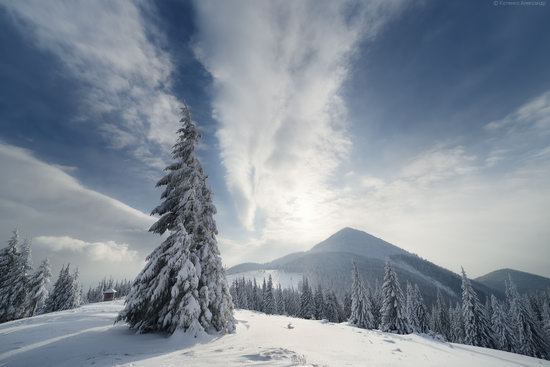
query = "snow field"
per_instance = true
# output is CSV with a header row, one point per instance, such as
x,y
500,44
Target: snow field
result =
x,y
86,336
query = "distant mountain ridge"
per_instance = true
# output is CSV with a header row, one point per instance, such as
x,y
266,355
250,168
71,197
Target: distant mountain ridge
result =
x,y
525,282
329,263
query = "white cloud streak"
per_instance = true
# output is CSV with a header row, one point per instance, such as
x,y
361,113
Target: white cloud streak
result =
x,y
44,200
109,251
106,45
278,68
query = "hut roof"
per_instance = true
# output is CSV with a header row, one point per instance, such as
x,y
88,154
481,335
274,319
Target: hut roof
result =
x,y
110,290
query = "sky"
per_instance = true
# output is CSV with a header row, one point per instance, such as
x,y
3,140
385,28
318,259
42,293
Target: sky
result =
x,y
423,123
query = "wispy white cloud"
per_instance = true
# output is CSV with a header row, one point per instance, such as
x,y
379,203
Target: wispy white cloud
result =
x,y
44,200
278,69
107,46
109,251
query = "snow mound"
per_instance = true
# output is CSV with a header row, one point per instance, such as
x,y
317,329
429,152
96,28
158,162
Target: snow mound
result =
x,y
87,337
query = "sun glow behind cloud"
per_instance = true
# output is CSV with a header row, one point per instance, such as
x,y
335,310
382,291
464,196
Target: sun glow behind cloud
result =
x,y
278,68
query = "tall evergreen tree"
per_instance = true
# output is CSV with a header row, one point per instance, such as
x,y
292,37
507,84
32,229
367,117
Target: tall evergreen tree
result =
x,y
415,310
477,330
63,295
183,284
393,308
333,309
500,322
280,301
360,312
529,339
441,316
346,306
14,279
319,301
374,298
307,305
546,318
456,334
270,307
39,288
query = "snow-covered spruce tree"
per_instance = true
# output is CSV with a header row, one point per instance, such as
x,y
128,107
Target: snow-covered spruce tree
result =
x,y
269,298
280,301
456,334
15,272
360,311
546,318
263,294
374,298
477,330
529,339
393,308
183,284
242,294
9,261
25,269
319,300
307,304
415,310
346,306
63,295
500,322
441,316
334,310
256,298
38,292
75,295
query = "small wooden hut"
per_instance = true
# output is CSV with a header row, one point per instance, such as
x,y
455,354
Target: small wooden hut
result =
x,y
109,294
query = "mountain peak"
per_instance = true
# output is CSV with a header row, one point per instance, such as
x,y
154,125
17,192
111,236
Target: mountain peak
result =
x,y
357,242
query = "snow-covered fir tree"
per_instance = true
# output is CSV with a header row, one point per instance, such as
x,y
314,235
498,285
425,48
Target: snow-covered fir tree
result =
x,y
38,291
280,300
393,308
333,309
262,297
25,278
500,323
183,284
319,300
415,310
346,306
307,304
456,333
9,258
256,298
65,293
75,299
529,338
477,329
374,298
15,274
546,318
270,307
360,311
440,316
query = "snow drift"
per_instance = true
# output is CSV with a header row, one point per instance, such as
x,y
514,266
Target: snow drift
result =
x,y
87,337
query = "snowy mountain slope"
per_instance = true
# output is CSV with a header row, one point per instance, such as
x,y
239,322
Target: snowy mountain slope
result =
x,y
87,337
329,264
526,282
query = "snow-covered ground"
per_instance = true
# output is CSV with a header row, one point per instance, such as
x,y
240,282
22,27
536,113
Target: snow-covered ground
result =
x,y
87,337
285,279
